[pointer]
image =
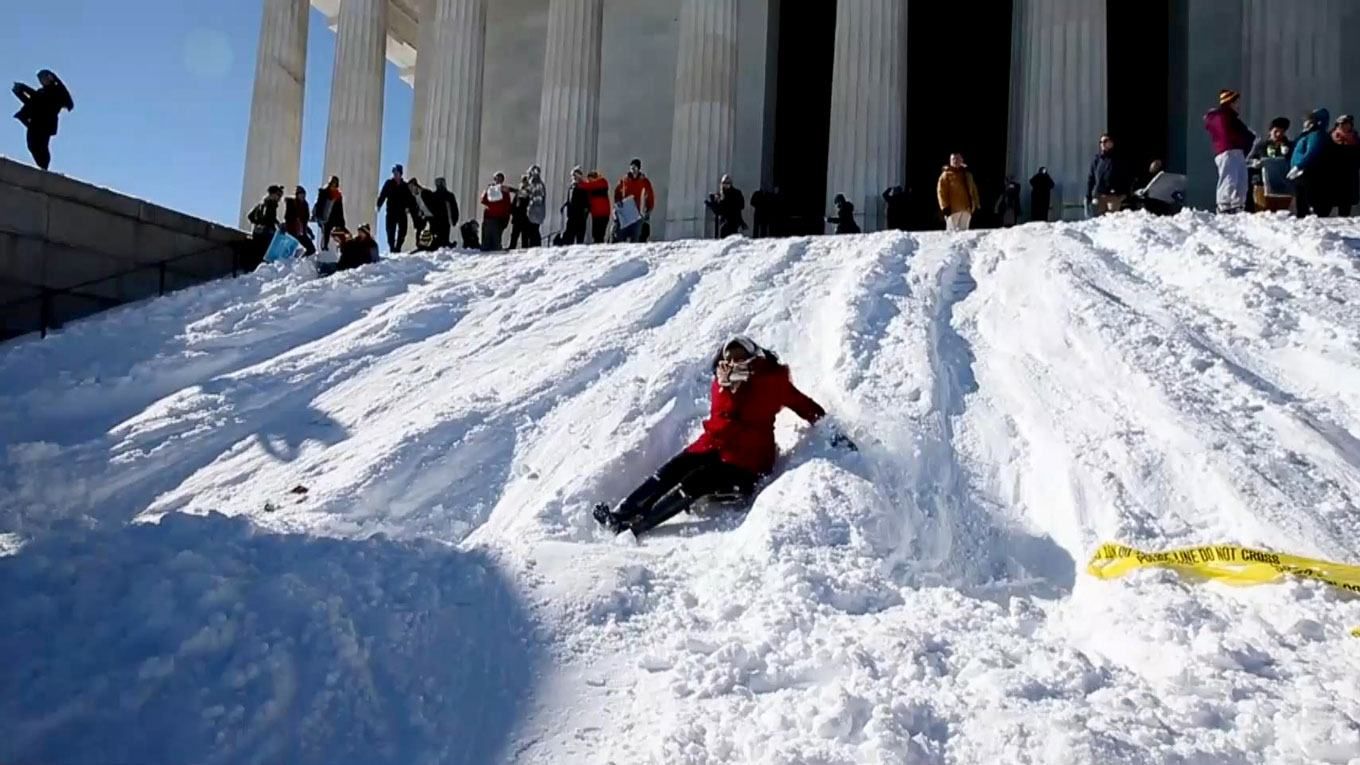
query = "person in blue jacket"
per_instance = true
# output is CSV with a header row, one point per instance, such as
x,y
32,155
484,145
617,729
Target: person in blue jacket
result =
x,y
1311,167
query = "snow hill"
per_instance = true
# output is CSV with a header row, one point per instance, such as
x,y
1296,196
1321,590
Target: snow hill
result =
x,y
439,593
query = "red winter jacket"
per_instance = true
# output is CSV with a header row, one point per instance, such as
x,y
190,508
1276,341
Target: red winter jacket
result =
x,y
500,208
597,189
740,424
1227,131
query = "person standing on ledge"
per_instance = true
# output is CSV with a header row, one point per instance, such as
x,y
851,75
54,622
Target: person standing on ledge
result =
x,y
39,113
397,195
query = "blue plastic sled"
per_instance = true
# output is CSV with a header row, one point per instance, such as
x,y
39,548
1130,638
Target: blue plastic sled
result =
x,y
282,247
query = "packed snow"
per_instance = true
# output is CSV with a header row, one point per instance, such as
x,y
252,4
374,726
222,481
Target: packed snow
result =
x,y
284,519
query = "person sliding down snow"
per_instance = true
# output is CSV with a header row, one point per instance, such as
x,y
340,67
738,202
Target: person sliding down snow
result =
x,y
750,386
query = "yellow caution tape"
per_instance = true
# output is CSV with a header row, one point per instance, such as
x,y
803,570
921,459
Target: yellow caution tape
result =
x,y
1229,564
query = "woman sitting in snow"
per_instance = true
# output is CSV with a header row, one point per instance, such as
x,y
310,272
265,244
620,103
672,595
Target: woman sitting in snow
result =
x,y
750,386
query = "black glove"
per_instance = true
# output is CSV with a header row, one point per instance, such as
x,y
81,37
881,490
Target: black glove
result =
x,y
841,441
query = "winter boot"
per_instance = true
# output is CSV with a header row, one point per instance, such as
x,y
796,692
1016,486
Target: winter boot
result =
x,y
608,519
671,504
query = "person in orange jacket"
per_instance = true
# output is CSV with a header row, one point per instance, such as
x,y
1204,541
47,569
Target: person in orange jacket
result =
x,y
596,187
957,194
638,186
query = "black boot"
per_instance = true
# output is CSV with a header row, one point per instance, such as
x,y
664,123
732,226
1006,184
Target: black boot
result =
x,y
609,520
671,504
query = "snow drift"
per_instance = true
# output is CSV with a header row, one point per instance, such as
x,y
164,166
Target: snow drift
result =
x,y
284,519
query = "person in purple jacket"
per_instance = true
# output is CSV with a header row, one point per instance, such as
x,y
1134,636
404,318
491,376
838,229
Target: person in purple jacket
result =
x,y
1231,141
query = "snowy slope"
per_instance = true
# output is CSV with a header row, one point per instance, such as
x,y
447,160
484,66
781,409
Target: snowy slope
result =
x,y
439,593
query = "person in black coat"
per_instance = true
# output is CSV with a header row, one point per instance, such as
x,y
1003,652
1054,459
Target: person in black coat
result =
x,y
39,113
895,207
727,206
296,212
1040,195
845,216
359,250
443,206
1110,180
397,195
577,209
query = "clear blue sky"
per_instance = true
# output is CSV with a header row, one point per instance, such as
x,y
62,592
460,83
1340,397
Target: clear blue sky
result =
x,y
162,92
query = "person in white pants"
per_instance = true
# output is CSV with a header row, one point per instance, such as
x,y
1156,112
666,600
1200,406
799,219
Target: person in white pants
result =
x,y
957,194
1231,141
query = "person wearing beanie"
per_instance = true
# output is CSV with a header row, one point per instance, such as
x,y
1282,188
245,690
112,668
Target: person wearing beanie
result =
x,y
1346,165
400,203
727,206
264,221
1272,149
957,193
845,216
638,187
1231,140
1311,167
443,214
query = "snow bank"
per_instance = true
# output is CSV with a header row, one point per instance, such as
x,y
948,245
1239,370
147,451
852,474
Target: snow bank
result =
x,y
347,520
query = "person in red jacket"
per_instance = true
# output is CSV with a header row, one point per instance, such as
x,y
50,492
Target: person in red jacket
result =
x,y
596,187
750,386
638,187
497,200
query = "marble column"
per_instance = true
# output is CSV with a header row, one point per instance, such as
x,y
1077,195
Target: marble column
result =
x,y
420,90
569,113
354,133
867,151
274,137
1058,94
1292,53
449,69
705,126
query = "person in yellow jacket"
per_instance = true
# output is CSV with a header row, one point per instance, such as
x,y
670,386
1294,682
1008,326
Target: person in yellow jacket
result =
x,y
958,194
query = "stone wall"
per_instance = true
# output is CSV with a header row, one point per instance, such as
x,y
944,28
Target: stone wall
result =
x,y
69,249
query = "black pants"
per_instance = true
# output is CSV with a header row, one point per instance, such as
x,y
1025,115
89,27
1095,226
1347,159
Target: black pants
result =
x,y
1344,211
440,230
728,228
676,486
598,227
396,232
533,236
38,143
519,234
1310,198
576,231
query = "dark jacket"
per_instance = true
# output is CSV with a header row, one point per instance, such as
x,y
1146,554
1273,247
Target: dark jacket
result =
x,y
895,200
265,217
357,252
295,216
329,208
728,208
41,106
442,202
1347,164
845,218
1109,175
578,203
397,195
740,424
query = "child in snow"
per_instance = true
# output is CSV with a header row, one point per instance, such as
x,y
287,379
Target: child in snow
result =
x,y
750,386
